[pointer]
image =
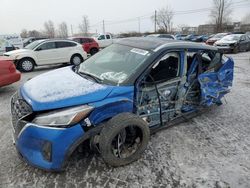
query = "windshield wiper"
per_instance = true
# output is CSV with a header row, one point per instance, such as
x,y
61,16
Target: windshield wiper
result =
x,y
93,77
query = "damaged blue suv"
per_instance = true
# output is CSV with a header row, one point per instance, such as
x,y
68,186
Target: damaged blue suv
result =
x,y
115,99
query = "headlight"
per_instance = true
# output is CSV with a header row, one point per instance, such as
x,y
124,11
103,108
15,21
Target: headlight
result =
x,y
63,117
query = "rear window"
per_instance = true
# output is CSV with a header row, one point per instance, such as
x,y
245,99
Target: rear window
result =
x,y
64,44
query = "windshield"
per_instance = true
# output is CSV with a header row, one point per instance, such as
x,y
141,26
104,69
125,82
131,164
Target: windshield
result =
x,y
232,37
32,45
219,35
114,64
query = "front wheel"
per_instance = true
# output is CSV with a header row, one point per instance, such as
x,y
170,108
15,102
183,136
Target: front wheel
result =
x,y
76,59
26,65
123,139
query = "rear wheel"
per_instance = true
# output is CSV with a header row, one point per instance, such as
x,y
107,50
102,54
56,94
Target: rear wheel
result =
x,y
93,51
123,139
76,59
26,65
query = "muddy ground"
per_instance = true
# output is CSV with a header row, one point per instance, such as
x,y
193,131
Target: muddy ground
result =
x,y
211,150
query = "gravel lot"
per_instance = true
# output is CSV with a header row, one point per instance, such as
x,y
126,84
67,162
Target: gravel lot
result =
x,y
211,150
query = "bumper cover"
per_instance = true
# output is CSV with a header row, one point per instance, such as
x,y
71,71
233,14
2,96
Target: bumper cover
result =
x,y
31,139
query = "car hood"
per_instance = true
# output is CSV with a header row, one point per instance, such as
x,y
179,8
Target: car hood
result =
x,y
62,88
15,52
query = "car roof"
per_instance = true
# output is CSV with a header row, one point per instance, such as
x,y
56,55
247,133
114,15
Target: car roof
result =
x,y
155,44
56,40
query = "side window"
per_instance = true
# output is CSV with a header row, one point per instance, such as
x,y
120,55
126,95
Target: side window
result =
x,y
47,46
107,36
77,40
165,69
101,37
84,41
64,44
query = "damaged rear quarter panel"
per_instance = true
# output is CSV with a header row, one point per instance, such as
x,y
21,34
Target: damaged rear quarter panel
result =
x,y
214,85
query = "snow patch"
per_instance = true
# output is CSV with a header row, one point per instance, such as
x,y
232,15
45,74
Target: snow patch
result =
x,y
59,84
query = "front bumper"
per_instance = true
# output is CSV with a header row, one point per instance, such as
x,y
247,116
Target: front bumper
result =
x,y
31,139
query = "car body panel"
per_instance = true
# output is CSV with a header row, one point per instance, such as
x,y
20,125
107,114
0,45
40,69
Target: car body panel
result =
x,y
214,85
31,141
69,89
8,72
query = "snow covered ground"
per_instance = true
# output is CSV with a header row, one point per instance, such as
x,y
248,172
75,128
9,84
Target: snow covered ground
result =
x,y
211,150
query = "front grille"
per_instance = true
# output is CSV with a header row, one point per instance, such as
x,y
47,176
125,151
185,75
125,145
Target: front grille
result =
x,y
19,109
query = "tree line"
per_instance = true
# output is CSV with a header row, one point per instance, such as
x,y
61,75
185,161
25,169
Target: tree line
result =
x,y
62,30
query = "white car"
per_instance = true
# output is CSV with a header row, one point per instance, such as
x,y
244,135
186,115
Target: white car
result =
x,y
47,52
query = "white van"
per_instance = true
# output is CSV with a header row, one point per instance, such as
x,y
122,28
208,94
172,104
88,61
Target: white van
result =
x,y
5,46
13,39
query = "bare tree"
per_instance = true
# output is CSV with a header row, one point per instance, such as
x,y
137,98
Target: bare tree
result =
x,y
84,25
164,19
220,13
49,29
24,33
246,19
34,33
63,30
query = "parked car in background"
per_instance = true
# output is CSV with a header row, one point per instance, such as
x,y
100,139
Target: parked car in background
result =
x,y
29,40
5,46
190,37
8,72
103,40
47,52
13,39
200,38
216,37
89,44
115,99
165,36
180,36
233,43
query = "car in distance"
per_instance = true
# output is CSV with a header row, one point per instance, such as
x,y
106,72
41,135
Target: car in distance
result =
x,y
47,52
104,40
115,99
5,46
165,36
8,72
233,43
215,38
29,40
89,44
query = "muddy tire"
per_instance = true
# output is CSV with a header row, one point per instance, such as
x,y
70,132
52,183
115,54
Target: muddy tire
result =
x,y
26,65
123,139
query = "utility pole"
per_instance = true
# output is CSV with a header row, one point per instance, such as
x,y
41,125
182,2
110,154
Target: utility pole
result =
x,y
71,30
155,19
103,27
139,24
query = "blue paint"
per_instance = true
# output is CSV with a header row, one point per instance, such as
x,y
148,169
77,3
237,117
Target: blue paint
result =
x,y
31,141
214,85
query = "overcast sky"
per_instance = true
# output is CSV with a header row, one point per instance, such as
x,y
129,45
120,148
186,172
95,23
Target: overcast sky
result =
x,y
16,15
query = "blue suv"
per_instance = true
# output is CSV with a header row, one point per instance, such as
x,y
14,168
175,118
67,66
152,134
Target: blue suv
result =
x,y
115,99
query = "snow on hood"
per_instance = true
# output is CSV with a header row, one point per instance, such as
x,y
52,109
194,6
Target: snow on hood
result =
x,y
15,52
62,88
